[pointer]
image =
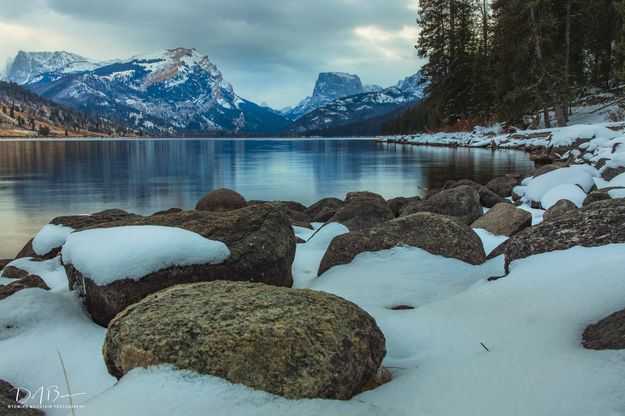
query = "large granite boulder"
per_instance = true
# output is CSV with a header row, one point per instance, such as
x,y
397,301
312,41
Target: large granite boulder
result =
x,y
595,225
221,200
324,209
462,202
291,342
504,219
607,334
503,185
295,210
438,234
561,207
260,240
488,198
363,210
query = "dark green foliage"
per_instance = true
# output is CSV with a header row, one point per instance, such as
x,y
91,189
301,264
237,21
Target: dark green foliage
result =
x,y
514,60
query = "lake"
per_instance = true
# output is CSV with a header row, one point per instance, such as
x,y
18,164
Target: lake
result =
x,y
43,179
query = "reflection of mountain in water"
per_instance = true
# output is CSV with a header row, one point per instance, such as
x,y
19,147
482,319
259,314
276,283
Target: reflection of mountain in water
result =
x,y
39,180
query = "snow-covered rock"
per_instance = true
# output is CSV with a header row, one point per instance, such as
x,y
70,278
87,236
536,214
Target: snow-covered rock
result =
x,y
106,255
50,237
539,186
569,192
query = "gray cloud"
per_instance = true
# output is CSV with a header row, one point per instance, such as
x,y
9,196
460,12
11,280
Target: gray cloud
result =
x,y
270,50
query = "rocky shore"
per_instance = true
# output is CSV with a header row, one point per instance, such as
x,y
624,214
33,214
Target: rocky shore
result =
x,y
329,301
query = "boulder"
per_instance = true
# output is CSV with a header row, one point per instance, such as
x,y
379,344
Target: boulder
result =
x,y
430,193
295,343
610,173
561,207
503,185
599,195
323,210
12,272
221,200
396,204
462,202
597,224
607,334
77,222
545,169
437,234
28,282
488,198
4,262
9,406
168,211
294,210
262,249
504,219
363,210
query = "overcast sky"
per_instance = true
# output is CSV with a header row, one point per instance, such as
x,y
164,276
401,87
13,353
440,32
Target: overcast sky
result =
x,y
270,50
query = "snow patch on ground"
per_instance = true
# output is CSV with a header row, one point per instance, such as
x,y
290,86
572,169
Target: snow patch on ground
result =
x,y
108,254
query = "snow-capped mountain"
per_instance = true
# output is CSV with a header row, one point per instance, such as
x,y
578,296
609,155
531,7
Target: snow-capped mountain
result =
x,y
330,86
174,91
26,66
358,108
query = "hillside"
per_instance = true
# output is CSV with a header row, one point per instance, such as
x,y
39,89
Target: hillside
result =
x,y
25,114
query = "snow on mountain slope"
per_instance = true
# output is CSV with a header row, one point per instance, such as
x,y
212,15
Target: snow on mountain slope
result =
x,y
27,66
361,107
173,91
330,86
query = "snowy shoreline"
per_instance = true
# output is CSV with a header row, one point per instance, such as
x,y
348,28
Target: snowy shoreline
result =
x,y
457,339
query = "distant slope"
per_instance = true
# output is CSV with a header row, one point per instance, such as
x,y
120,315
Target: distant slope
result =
x,y
25,114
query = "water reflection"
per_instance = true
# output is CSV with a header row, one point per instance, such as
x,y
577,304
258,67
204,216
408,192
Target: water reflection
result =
x,y
39,180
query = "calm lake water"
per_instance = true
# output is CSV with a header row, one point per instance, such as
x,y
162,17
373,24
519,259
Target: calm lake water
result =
x,y
43,179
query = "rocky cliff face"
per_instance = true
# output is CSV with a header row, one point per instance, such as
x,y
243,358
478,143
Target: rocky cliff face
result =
x,y
174,91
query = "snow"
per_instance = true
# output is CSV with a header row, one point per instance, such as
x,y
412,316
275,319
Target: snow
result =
x,y
570,192
108,254
538,187
617,193
617,181
490,241
50,271
50,237
531,321
308,256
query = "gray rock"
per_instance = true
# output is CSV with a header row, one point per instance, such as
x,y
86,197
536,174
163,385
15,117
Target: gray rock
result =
x,y
9,406
607,334
291,342
462,202
597,224
599,195
324,209
28,282
437,234
561,207
221,200
488,198
503,185
363,210
262,249
396,204
504,219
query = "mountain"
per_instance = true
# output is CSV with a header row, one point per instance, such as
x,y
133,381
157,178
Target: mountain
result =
x,y
172,92
329,87
360,110
25,114
26,66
